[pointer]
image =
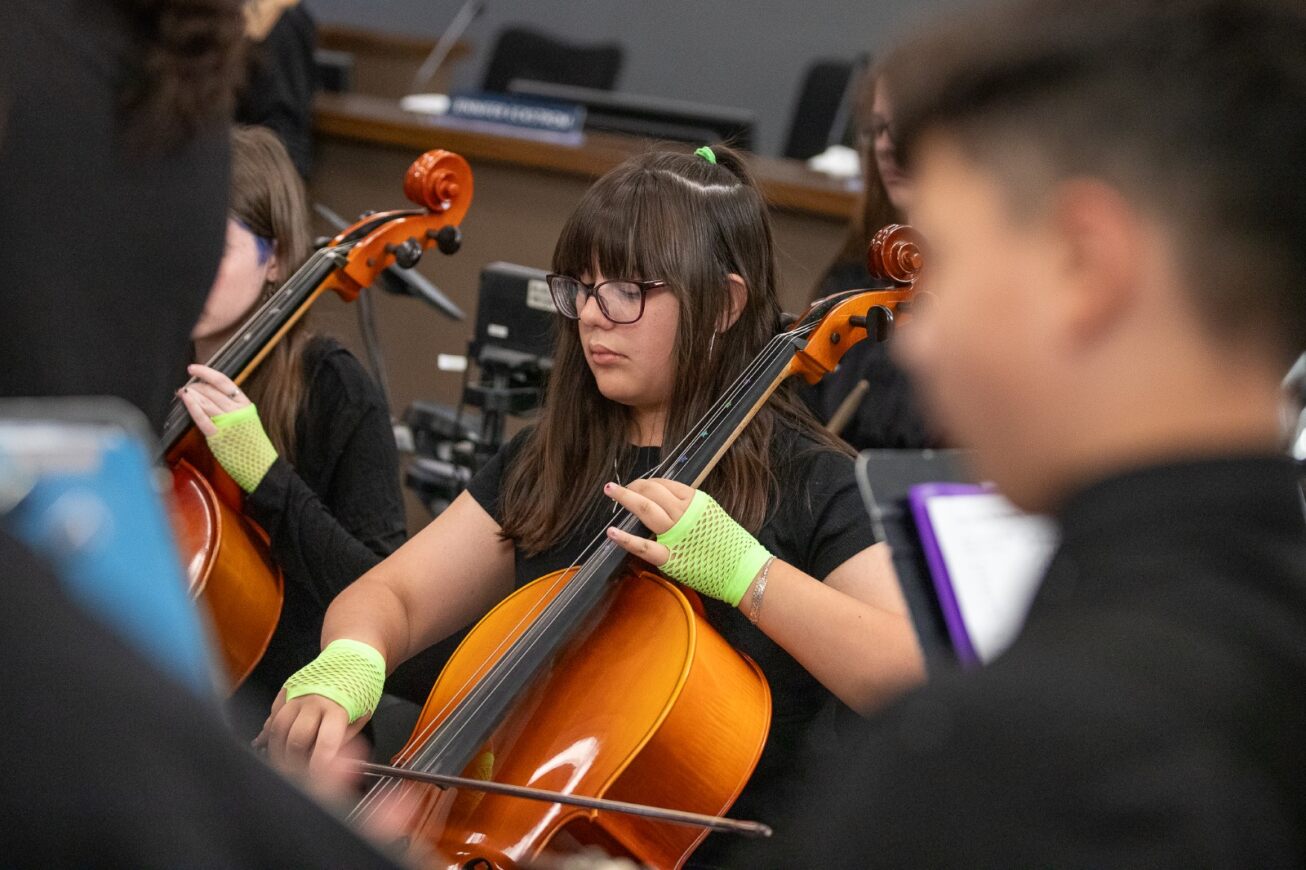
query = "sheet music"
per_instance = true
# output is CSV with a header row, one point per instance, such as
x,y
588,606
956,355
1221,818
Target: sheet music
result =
x,y
995,557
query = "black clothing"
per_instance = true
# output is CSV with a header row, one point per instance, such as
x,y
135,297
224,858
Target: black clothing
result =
x,y
111,763
817,526
332,516
282,80
111,252
107,761
1151,714
888,416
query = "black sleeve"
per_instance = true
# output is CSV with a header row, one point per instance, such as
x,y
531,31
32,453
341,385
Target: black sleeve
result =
x,y
331,539
73,330
110,763
825,520
486,483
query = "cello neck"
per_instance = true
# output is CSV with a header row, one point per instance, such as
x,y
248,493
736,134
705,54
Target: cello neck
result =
x,y
693,459
256,337
265,327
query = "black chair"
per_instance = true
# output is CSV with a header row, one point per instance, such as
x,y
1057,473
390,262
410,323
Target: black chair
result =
x,y
824,102
521,53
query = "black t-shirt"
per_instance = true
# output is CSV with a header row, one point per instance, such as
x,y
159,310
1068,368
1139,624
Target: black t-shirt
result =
x,y
1151,714
282,80
331,517
816,526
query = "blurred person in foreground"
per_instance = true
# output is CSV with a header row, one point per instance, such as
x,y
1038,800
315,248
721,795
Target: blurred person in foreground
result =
x,y
114,132
1116,206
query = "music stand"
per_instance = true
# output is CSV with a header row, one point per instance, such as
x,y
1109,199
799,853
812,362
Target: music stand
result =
x,y
885,477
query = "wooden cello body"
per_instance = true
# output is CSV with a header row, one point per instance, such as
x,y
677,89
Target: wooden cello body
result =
x,y
605,680
228,562
681,687
229,567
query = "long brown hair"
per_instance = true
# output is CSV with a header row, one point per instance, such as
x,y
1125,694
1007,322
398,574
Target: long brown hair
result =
x,y
268,196
874,208
678,218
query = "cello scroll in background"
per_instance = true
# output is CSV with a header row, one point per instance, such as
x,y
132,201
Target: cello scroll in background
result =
x,y
894,256
226,555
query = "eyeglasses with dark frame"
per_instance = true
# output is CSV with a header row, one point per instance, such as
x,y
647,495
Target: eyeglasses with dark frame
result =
x,y
621,300
875,127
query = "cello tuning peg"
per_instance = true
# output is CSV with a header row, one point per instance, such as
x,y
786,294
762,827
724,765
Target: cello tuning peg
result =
x,y
407,253
449,240
883,322
878,321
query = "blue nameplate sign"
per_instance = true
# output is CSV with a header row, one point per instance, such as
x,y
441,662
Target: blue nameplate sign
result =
x,y
527,114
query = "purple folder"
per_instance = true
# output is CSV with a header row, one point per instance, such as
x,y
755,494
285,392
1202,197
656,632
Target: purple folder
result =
x,y
918,497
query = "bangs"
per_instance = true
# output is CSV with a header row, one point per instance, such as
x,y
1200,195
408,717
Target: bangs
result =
x,y
645,222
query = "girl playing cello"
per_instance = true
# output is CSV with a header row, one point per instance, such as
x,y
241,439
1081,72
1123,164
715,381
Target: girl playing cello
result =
x,y
666,275
308,437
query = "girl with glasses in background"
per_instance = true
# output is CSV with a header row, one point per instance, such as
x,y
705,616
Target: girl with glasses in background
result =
x,y
868,400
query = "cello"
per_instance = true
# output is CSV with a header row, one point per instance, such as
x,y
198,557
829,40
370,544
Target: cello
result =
x,y
604,681
226,556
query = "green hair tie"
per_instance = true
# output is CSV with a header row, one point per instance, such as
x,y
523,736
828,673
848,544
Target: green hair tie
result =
x,y
707,154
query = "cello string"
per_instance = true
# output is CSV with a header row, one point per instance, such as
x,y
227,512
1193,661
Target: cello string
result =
x,y
696,435
709,420
253,332
287,289
704,426
221,359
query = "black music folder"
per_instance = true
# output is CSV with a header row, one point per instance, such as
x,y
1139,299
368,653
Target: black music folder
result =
x,y
968,561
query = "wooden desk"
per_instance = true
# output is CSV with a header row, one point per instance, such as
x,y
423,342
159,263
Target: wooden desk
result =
x,y
787,184
524,191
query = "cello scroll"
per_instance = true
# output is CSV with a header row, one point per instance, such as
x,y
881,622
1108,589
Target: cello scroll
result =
x,y
894,256
438,181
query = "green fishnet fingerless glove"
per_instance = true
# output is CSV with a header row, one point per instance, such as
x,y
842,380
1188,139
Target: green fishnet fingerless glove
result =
x,y
242,447
349,672
711,553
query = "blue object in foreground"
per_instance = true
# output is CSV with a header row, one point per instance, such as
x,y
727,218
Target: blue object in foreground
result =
x,y
78,487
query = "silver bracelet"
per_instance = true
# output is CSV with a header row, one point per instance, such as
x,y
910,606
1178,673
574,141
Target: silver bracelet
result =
x,y
759,589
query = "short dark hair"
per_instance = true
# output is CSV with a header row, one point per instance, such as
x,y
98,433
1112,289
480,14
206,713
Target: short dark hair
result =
x,y
1194,109
182,70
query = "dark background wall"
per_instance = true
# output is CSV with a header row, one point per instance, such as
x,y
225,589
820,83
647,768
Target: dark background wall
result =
x,y
745,53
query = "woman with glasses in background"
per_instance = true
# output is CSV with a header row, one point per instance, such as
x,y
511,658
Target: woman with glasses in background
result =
x,y
868,400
